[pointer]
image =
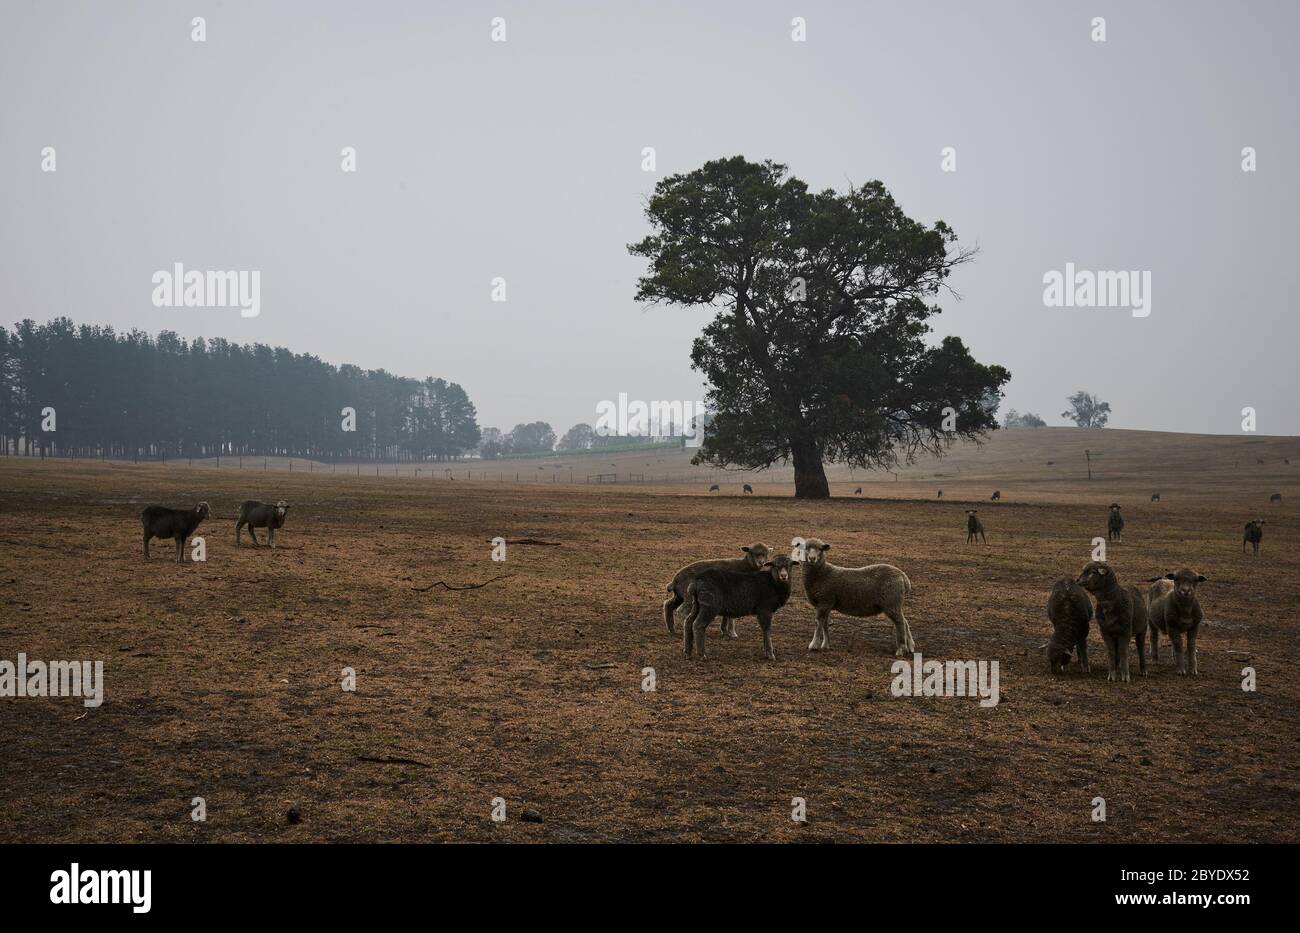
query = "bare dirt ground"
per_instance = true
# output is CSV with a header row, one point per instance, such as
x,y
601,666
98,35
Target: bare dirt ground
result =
x,y
223,678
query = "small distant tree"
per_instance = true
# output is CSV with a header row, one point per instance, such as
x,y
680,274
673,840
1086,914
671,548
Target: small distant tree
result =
x,y
578,437
533,438
492,444
1028,420
1087,411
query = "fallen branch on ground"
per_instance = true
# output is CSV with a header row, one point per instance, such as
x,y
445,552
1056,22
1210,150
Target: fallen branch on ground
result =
x,y
384,760
470,586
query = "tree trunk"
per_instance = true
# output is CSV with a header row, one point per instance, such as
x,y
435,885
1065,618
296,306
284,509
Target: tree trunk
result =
x,y
809,476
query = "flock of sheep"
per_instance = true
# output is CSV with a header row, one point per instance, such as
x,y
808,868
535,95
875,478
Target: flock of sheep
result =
x,y
759,585
178,524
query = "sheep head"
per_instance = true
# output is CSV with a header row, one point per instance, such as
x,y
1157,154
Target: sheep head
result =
x,y
1096,577
1185,583
814,551
757,554
779,568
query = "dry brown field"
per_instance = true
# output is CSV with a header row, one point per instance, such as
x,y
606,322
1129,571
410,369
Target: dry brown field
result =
x,y
223,677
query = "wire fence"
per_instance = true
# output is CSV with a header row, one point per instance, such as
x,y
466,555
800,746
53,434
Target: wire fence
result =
x,y
471,471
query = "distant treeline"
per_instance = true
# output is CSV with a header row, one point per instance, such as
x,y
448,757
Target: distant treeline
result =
x,y
125,395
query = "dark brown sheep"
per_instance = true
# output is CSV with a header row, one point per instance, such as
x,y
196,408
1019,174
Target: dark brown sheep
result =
x,y
1069,609
178,524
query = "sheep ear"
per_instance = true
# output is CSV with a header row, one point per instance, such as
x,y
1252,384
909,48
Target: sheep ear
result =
x,y
1170,576
745,549
826,547
1201,578
767,563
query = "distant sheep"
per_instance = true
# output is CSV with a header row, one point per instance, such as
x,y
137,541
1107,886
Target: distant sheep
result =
x,y
733,594
1069,609
854,591
1121,617
755,557
1114,524
997,494
940,496
858,491
1254,533
974,526
748,490
1175,610
1155,497
1276,497
256,514
713,488
162,522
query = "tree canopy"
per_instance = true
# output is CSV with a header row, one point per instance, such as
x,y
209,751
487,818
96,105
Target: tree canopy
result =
x,y
816,350
127,394
1087,411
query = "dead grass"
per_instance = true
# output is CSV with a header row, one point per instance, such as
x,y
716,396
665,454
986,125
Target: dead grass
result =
x,y
223,677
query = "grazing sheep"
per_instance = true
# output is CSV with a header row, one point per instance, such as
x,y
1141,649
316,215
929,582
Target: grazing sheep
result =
x,y
1254,534
1069,609
713,488
256,514
1175,610
858,491
1155,497
1121,616
940,496
755,556
1276,497
162,522
1115,524
1259,461
854,591
997,494
732,594
974,526
748,490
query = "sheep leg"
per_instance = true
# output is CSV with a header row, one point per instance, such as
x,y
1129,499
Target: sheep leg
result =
x,y
729,628
270,535
903,645
180,549
1191,653
702,621
985,537
820,639
238,526
765,620
252,534
1121,657
688,627
1082,647
1155,645
670,607
146,545
1180,659
1110,656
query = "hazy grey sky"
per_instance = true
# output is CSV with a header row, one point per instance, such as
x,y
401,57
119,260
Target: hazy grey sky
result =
x,y
523,160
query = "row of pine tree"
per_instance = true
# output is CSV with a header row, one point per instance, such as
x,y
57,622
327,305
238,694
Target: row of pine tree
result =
x,y
87,391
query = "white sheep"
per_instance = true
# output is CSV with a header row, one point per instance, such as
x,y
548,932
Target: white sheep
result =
x,y
854,591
